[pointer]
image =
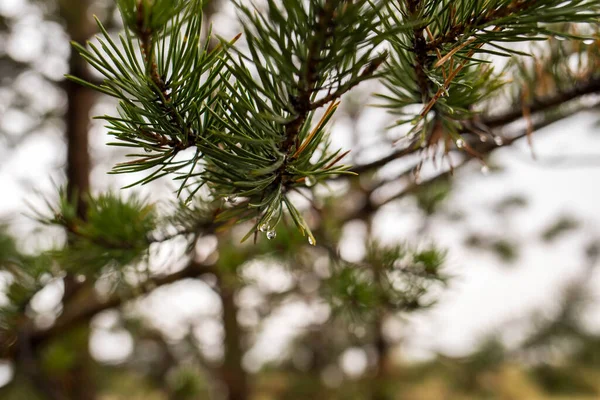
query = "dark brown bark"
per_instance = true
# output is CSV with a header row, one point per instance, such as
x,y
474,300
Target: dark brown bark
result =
x,y
382,347
382,350
79,104
233,374
80,101
78,382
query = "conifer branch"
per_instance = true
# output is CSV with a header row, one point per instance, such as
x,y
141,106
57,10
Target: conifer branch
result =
x,y
480,149
310,77
478,22
422,62
541,104
252,131
146,37
537,105
307,84
87,304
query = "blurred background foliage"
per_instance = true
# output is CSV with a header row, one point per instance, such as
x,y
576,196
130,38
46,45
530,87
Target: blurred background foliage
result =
x,y
75,321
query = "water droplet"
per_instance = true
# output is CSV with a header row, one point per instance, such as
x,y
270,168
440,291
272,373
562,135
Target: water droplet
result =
x,y
460,143
485,170
264,228
360,331
271,234
80,278
498,140
310,181
483,138
417,175
311,241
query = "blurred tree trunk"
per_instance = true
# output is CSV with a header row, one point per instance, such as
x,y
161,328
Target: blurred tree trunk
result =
x,y
78,382
233,374
382,348
80,101
79,104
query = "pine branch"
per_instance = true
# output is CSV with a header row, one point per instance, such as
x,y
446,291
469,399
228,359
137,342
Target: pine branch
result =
x,y
539,105
578,90
309,79
252,131
87,304
444,69
422,62
307,55
479,21
145,35
166,96
479,149
147,39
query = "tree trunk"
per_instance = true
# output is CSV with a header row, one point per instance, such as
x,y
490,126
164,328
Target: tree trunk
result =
x,y
378,391
80,101
78,382
233,374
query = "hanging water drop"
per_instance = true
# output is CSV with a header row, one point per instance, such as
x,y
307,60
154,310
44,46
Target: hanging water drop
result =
x,y
483,138
460,143
264,228
271,234
498,140
310,181
417,175
311,241
485,170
